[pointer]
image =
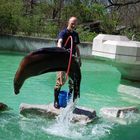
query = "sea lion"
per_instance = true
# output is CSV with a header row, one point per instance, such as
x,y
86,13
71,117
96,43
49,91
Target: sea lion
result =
x,y
47,60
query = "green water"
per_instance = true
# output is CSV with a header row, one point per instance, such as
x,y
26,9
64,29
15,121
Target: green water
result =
x,y
98,89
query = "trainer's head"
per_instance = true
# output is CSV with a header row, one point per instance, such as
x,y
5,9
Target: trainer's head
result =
x,y
72,22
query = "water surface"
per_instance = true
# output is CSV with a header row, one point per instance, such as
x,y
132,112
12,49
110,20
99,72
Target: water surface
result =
x,y
98,89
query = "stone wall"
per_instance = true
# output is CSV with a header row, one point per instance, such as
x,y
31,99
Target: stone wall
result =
x,y
27,44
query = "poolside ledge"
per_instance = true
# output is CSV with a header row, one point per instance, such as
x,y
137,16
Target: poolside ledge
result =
x,y
80,114
123,54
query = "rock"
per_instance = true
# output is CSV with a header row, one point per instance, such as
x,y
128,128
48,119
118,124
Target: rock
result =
x,y
118,112
121,115
80,114
3,107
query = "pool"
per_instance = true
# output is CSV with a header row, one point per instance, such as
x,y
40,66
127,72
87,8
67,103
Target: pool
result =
x,y
98,89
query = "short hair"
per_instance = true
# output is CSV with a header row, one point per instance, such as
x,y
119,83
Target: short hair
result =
x,y
72,18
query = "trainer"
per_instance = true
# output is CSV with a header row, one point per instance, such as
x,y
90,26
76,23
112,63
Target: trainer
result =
x,y
68,39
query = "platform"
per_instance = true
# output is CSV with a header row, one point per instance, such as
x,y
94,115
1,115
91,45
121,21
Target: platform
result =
x,y
80,114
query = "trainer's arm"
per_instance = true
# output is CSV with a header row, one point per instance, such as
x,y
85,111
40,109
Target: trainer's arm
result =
x,y
78,55
59,43
77,51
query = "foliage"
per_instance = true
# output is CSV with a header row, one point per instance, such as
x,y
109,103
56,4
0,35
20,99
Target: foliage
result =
x,y
109,20
9,15
48,17
51,29
131,33
77,9
85,35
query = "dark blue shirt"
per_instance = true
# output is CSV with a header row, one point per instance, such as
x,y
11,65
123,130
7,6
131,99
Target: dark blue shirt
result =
x,y
64,34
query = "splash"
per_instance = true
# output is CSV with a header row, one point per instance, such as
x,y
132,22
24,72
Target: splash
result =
x,y
100,130
63,126
132,117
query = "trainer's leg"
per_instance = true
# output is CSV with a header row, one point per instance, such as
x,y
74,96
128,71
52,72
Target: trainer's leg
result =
x,y
71,86
59,82
56,94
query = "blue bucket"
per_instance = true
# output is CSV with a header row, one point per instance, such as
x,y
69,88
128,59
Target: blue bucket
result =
x,y
63,98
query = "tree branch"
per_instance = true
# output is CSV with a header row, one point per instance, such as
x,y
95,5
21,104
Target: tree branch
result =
x,y
111,3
